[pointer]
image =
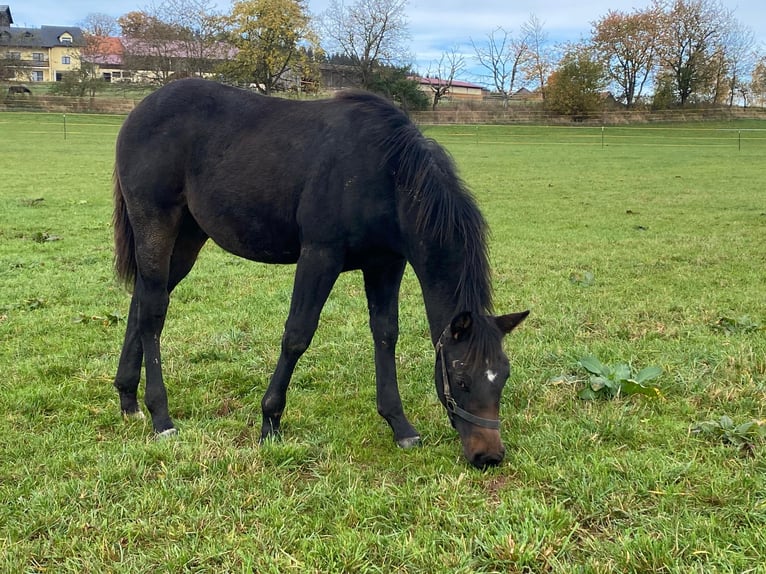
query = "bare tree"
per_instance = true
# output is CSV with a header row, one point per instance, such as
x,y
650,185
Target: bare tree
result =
x,y
450,64
368,34
150,46
538,66
758,83
739,57
198,27
503,56
100,25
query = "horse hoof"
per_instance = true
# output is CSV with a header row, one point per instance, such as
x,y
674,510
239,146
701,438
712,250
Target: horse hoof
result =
x,y
409,442
136,416
167,433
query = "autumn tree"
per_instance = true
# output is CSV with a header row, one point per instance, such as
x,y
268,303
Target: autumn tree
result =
x,y
575,87
503,56
272,40
628,43
450,64
371,35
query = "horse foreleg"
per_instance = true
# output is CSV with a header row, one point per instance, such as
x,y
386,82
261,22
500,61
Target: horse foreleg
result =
x,y
315,276
382,288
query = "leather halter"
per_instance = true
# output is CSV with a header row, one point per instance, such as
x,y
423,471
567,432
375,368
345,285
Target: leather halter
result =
x,y
453,410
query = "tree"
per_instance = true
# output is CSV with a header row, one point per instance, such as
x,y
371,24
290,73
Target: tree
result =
x,y
575,87
98,31
198,28
371,34
739,56
503,56
450,64
99,25
538,66
628,43
691,34
395,84
150,45
758,83
271,38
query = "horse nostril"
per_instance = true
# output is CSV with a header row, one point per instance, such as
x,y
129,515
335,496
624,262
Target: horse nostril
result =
x,y
483,460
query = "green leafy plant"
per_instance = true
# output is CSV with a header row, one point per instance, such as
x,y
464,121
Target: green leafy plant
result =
x,y
743,324
607,382
582,278
44,237
741,435
33,202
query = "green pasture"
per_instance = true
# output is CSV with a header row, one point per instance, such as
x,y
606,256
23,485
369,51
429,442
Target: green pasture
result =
x,y
643,245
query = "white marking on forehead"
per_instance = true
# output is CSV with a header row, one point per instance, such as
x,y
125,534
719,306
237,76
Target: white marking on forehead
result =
x,y
491,375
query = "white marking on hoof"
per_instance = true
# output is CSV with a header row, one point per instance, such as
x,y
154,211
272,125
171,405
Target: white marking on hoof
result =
x,y
491,375
409,442
167,434
136,416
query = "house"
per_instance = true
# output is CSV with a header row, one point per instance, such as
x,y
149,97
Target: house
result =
x,y
42,54
458,90
106,55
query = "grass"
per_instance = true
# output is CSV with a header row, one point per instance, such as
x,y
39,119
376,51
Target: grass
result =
x,y
669,225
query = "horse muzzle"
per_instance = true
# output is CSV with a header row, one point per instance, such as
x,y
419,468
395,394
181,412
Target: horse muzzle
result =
x,y
483,448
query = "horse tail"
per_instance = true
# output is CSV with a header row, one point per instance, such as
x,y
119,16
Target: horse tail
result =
x,y
124,244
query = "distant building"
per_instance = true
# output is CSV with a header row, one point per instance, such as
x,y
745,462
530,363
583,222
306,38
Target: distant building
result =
x,y
458,90
38,54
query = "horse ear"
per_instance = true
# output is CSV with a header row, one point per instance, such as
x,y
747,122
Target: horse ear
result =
x,y
507,323
461,325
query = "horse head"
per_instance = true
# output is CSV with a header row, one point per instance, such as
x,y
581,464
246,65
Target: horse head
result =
x,y
470,373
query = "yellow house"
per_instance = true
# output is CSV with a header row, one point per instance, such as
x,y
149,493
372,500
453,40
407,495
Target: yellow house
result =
x,y
42,54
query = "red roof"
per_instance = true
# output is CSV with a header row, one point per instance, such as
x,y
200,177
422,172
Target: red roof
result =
x,y
455,83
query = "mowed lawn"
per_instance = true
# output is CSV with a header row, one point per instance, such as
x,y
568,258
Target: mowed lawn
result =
x,y
638,245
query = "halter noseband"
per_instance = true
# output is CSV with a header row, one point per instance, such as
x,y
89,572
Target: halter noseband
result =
x,y
453,410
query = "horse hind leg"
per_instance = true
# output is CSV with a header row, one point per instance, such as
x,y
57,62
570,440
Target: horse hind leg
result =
x,y
187,246
129,368
163,261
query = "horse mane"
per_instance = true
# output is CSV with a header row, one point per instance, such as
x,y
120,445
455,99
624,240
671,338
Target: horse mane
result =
x,y
447,212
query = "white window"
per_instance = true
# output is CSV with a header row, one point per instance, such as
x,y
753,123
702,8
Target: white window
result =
x,y
38,57
37,76
66,60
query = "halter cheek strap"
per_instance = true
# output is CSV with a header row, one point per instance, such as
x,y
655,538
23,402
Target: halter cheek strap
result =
x,y
453,410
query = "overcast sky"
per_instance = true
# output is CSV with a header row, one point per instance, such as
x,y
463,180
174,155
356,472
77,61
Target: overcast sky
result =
x,y
435,26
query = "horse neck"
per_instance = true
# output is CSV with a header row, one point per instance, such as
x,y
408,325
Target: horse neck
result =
x,y
448,286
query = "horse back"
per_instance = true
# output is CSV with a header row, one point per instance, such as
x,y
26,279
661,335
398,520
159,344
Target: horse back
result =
x,y
261,176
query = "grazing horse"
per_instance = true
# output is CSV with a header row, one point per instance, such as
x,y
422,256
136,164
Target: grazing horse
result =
x,y
332,185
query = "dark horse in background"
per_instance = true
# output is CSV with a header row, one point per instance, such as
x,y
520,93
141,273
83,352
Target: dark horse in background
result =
x,y
334,185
